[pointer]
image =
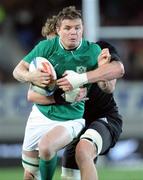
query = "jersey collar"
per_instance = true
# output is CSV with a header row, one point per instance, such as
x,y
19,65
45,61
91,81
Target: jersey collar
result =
x,y
69,49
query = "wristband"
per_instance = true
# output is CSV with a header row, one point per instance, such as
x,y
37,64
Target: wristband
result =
x,y
75,79
70,96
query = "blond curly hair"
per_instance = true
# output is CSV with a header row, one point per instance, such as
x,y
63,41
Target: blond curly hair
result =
x,y
49,27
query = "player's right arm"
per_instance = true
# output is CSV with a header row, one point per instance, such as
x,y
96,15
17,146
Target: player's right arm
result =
x,y
37,77
21,72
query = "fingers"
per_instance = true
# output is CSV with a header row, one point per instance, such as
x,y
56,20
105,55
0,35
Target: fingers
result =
x,y
82,95
43,83
81,98
66,88
105,50
41,79
64,84
105,53
104,57
44,80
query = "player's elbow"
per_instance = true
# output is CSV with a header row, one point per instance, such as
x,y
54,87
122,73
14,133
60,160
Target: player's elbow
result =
x,y
109,90
118,69
14,73
121,69
30,97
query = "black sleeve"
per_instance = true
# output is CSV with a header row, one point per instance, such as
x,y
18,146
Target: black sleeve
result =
x,y
114,54
59,97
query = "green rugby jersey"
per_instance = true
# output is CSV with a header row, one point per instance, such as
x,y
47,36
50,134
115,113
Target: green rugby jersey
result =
x,y
81,59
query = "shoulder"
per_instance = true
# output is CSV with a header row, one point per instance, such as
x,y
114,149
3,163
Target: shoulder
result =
x,y
92,46
105,44
49,41
49,45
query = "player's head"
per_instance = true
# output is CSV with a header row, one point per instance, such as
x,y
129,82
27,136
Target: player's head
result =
x,y
70,27
49,28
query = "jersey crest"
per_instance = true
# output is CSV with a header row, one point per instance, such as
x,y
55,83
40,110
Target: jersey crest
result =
x,y
81,69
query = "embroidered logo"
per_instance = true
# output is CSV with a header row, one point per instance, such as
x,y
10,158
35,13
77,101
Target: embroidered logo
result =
x,y
81,69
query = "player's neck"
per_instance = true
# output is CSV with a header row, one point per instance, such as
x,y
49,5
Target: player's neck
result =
x,y
69,49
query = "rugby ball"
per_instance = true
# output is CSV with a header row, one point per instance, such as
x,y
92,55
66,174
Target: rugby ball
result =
x,y
43,64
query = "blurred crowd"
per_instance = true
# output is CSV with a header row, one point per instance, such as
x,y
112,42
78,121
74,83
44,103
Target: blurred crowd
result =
x,y
21,22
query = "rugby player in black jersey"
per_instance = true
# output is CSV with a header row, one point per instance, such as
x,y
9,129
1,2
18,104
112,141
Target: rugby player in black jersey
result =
x,y
103,128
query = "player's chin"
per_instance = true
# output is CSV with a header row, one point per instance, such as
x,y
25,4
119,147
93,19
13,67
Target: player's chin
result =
x,y
73,44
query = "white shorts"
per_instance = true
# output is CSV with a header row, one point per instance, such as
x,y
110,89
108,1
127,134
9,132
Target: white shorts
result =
x,y
38,125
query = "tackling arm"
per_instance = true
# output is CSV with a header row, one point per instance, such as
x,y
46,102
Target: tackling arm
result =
x,y
105,58
106,72
108,55
110,68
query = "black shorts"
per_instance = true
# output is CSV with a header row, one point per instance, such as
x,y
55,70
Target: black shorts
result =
x,y
68,160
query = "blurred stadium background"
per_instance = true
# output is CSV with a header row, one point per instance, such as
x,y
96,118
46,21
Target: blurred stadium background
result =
x,y
118,22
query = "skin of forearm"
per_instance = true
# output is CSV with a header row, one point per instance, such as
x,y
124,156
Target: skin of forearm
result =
x,y
39,99
21,73
106,72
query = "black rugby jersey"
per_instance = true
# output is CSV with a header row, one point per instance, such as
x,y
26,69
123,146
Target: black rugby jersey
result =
x,y
101,104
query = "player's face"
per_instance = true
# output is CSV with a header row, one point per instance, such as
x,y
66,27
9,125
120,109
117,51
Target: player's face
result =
x,y
70,32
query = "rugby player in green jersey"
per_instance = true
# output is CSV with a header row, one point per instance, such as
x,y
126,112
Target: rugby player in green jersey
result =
x,y
50,128
69,166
